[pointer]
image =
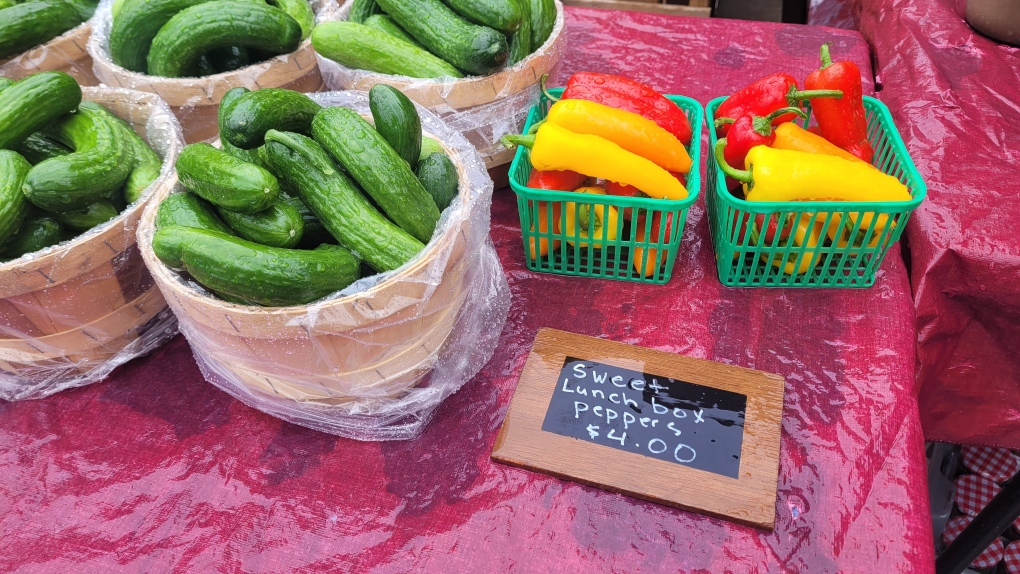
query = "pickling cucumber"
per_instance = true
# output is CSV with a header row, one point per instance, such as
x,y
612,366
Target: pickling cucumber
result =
x,y
543,20
36,233
84,219
196,30
33,103
338,203
246,118
439,177
13,171
360,47
38,148
429,146
384,23
189,210
502,15
315,233
136,24
300,11
35,22
145,164
387,178
396,120
520,44
224,180
280,225
254,273
362,9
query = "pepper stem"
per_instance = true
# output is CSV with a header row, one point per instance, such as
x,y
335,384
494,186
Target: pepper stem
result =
x,y
534,128
741,175
794,96
763,125
720,122
826,57
545,90
511,141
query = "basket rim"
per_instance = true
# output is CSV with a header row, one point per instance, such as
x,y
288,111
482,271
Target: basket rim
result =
x,y
68,37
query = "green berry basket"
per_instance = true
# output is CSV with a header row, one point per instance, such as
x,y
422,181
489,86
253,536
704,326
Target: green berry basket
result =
x,y
633,245
852,237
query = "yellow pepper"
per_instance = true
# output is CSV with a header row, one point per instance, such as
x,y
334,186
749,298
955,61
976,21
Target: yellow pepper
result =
x,y
785,175
803,235
633,132
795,138
556,148
603,220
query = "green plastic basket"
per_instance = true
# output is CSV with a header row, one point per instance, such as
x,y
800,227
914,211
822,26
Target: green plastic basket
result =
x,y
851,249
613,251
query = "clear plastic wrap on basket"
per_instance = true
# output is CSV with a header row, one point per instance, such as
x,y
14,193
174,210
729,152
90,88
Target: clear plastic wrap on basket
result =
x,y
374,361
196,100
71,313
482,108
65,53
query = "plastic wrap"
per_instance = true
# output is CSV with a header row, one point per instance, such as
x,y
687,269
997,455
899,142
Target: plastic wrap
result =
x,y
955,95
196,100
181,477
482,108
71,313
65,53
835,13
375,360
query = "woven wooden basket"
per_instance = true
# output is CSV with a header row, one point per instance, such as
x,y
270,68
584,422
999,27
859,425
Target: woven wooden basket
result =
x,y
65,53
69,308
375,343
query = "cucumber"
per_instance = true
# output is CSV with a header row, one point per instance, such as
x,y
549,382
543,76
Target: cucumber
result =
x,y
300,11
255,273
362,9
338,203
315,233
33,103
38,148
520,44
189,210
35,22
387,178
396,120
429,146
439,177
135,26
13,171
360,47
246,119
99,165
198,29
228,59
543,20
84,219
36,233
85,8
246,155
384,23
476,50
145,164
6,4
224,180
279,226
5,82
502,15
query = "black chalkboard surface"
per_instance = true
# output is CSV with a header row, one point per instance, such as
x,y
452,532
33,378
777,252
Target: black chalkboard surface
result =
x,y
656,416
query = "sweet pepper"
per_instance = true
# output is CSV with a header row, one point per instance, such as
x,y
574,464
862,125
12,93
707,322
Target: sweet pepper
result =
x,y
765,96
843,121
590,221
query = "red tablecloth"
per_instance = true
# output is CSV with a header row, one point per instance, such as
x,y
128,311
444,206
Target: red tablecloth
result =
x,y
156,470
955,96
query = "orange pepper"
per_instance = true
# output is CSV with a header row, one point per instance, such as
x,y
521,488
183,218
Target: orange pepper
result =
x,y
793,137
646,265
543,227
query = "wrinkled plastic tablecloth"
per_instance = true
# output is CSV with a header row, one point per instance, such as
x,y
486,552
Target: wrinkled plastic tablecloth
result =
x,y
955,95
156,470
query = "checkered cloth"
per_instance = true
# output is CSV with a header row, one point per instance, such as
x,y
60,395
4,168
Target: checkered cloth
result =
x,y
997,464
990,557
973,493
1012,557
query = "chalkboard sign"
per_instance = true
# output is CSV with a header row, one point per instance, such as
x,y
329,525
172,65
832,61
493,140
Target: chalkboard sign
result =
x,y
652,415
689,433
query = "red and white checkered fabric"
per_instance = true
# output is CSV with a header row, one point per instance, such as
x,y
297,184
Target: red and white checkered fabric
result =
x,y
997,464
973,493
990,557
1012,557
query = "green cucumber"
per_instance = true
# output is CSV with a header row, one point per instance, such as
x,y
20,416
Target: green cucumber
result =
x,y
543,20
35,22
33,103
315,233
100,164
136,24
145,164
189,210
475,50
384,23
520,44
396,120
387,178
13,207
84,219
300,11
194,31
254,273
247,117
502,15
6,82
439,177
338,203
6,4
228,59
86,8
248,155
281,225
362,48
429,146
224,180
38,148
362,9
36,233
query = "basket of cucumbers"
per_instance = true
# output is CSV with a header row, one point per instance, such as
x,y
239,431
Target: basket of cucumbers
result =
x,y
77,167
43,35
329,260
192,52
476,63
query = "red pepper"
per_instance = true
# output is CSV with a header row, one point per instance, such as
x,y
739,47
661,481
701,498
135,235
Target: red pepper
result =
x,y
766,96
749,131
560,180
843,121
628,95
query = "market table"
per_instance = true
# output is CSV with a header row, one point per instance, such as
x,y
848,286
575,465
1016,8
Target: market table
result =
x,y
156,470
955,95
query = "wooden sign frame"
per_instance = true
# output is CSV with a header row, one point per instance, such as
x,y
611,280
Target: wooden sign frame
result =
x,y
749,499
